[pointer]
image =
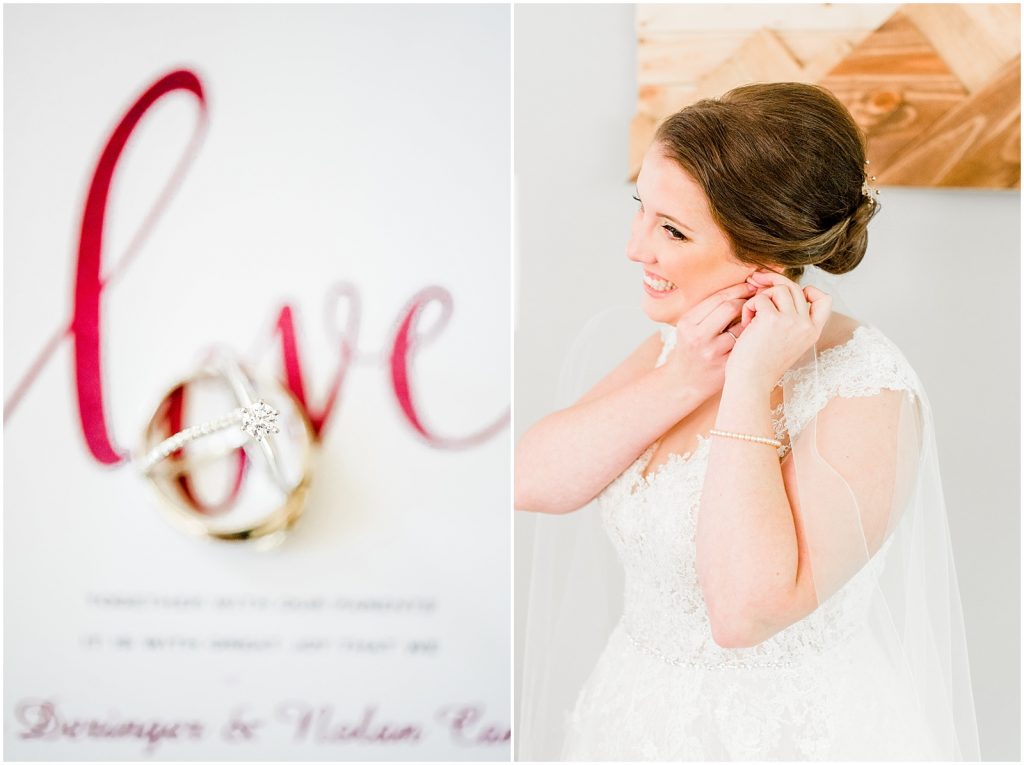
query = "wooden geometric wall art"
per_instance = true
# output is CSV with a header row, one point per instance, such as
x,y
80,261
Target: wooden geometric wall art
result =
x,y
935,87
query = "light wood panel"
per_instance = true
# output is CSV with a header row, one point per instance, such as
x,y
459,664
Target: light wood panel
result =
x,y
935,87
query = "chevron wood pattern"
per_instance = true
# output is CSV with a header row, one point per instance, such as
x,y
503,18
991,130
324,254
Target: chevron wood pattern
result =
x,y
935,87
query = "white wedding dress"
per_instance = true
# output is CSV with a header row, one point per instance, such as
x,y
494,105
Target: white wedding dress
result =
x,y
662,689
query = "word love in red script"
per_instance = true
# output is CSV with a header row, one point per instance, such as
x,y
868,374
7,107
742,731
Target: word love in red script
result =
x,y
84,327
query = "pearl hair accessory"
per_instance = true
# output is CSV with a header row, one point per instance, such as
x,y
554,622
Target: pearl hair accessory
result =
x,y
867,189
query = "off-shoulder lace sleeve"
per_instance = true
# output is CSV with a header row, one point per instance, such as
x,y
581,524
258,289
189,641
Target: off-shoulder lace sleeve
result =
x,y
863,366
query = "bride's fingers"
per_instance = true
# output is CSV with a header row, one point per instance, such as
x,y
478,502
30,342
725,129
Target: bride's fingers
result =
x,y
820,305
782,298
720,318
700,312
787,295
737,328
760,302
772,279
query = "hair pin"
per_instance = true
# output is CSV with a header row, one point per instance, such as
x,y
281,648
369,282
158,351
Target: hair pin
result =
x,y
866,189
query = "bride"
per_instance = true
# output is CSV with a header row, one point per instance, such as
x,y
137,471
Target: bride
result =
x,y
764,468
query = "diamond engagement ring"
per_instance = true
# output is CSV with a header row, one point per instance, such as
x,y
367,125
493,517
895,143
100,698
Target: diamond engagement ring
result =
x,y
258,420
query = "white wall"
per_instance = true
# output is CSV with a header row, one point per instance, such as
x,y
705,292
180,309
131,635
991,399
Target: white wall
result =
x,y
943,269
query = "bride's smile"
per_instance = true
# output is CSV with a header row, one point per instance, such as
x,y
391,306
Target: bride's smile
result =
x,y
657,286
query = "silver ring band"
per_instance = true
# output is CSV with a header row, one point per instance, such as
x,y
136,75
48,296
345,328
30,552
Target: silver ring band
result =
x,y
257,420
170,445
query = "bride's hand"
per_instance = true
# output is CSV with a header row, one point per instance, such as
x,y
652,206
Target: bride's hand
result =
x,y
779,324
702,346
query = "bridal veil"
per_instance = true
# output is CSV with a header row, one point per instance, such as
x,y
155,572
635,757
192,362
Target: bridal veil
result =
x,y
866,474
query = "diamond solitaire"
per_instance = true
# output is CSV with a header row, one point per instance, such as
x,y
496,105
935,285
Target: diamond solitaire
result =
x,y
260,419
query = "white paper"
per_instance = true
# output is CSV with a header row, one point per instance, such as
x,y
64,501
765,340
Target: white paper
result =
x,y
359,144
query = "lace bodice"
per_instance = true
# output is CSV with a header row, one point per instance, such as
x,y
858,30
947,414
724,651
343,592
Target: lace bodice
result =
x,y
652,523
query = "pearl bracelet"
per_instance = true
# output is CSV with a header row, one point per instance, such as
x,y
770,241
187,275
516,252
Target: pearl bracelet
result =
x,y
759,439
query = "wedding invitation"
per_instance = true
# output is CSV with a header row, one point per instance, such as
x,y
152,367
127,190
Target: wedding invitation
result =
x,y
323,190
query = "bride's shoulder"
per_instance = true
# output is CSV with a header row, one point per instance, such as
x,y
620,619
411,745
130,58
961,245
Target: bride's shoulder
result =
x,y
864,362
858,358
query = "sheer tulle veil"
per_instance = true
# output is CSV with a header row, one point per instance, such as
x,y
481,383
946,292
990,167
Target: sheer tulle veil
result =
x,y
914,634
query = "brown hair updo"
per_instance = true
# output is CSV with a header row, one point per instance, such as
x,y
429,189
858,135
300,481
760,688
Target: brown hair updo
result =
x,y
782,165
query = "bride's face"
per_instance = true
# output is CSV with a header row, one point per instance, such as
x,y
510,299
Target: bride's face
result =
x,y
684,254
